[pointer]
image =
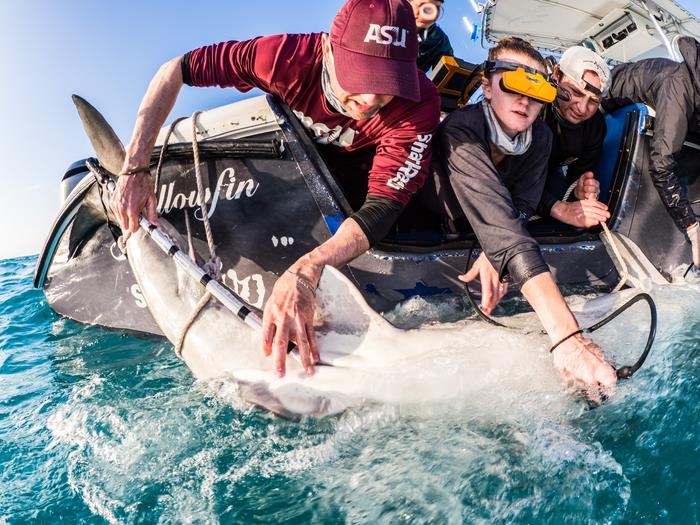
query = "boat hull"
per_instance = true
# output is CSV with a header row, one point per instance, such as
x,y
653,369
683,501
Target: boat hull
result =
x,y
270,198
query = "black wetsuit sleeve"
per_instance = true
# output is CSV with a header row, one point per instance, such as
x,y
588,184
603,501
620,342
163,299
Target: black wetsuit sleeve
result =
x,y
670,88
670,130
549,195
492,211
376,217
185,69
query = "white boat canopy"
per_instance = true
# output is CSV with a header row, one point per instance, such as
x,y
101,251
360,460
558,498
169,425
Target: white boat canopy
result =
x,y
619,30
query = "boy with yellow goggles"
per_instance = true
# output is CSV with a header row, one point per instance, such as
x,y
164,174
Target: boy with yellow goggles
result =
x,y
522,80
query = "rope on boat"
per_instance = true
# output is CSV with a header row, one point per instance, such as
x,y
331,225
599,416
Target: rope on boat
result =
x,y
161,157
624,272
214,262
568,191
213,266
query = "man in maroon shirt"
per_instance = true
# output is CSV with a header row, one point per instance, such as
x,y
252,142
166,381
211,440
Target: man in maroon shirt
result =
x,y
361,96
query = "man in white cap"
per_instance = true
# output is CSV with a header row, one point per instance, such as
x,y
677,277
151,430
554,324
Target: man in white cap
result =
x,y
582,77
361,96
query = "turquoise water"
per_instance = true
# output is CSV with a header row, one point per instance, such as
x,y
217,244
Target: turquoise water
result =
x,y
103,427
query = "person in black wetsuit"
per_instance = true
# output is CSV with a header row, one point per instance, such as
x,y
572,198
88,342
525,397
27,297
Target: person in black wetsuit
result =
x,y
582,77
673,90
433,41
489,168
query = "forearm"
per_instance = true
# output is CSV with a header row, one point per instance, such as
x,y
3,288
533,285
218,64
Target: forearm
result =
x,y
545,298
155,107
347,243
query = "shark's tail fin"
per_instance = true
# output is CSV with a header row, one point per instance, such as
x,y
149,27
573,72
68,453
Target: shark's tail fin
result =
x,y
108,148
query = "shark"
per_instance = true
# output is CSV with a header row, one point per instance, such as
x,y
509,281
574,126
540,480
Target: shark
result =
x,y
365,359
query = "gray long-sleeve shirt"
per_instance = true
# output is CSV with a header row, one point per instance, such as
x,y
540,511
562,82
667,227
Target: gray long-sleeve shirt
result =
x,y
498,200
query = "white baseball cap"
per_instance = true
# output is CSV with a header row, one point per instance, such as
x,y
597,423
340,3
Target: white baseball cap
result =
x,y
576,60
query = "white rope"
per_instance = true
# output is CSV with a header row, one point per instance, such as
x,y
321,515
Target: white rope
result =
x,y
568,191
624,272
213,265
563,199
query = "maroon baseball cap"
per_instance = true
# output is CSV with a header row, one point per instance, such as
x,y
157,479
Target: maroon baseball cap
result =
x,y
375,46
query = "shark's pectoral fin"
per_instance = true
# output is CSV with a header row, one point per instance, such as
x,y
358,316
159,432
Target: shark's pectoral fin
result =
x,y
341,305
291,400
260,395
351,333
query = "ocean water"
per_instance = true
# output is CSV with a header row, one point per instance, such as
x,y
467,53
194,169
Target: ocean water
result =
x,y
106,427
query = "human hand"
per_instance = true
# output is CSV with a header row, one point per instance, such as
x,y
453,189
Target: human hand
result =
x,y
582,214
581,364
288,316
587,187
492,289
134,194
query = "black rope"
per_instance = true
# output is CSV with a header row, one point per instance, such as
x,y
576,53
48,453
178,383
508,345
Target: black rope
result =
x,y
483,315
572,334
623,372
690,266
102,179
626,371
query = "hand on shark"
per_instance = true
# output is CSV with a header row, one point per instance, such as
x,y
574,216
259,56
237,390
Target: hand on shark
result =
x,y
289,316
579,361
581,364
132,196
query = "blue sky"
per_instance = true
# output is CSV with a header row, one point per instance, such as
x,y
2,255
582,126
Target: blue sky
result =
x,y
107,52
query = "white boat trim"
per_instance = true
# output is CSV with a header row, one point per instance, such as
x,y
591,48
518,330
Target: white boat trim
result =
x,y
619,30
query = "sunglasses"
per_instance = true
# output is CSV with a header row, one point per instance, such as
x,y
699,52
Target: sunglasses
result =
x,y
519,79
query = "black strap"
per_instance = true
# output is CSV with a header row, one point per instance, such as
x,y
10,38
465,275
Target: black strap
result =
x,y
572,334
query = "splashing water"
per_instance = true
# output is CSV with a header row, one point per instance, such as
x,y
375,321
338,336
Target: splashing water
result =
x,y
99,426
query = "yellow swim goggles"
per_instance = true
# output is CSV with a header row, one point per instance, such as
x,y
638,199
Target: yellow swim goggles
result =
x,y
522,80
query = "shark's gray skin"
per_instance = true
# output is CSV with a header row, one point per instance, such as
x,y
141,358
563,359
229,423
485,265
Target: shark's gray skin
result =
x,y
365,358
108,148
